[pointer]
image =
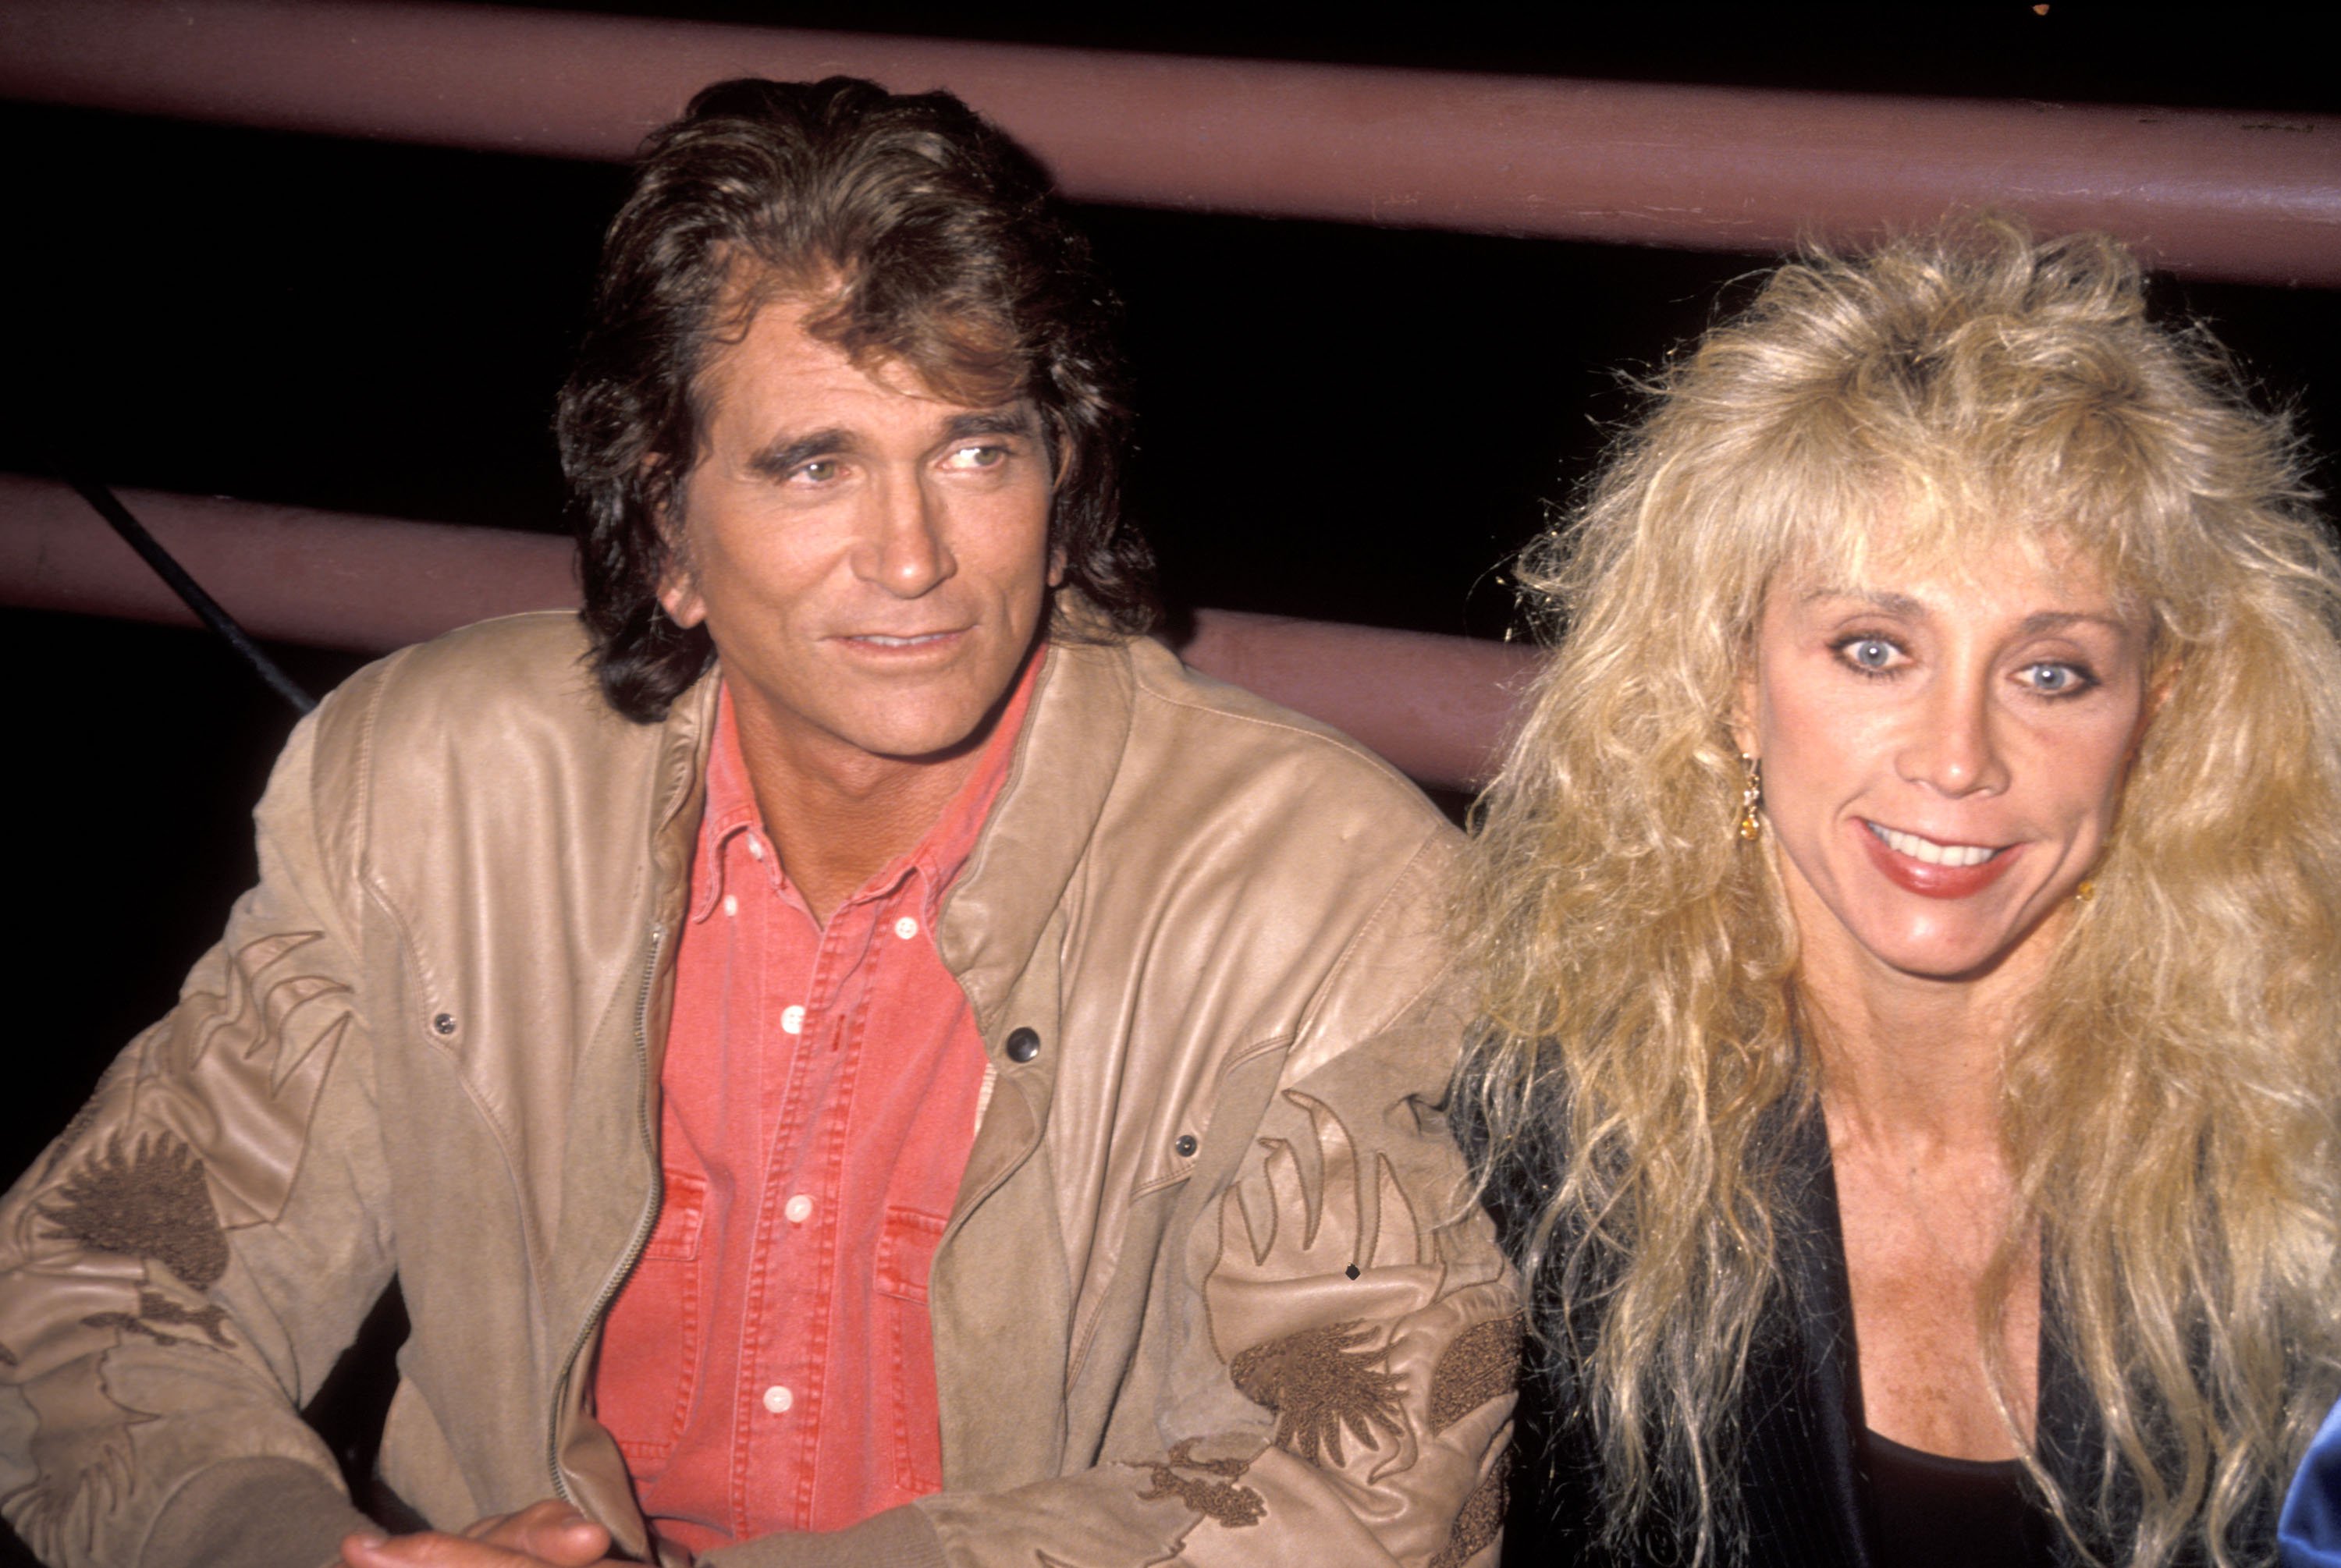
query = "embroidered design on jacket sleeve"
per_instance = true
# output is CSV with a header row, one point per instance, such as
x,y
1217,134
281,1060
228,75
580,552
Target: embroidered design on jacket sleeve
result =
x,y
1320,1381
148,1200
243,1068
1214,1493
1320,1259
153,1308
1480,1521
239,1065
81,1449
1483,1363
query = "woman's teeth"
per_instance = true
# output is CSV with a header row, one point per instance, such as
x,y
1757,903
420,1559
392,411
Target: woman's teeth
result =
x,y
1932,853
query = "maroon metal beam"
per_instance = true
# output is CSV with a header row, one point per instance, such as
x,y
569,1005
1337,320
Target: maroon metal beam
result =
x,y
2249,196
1436,707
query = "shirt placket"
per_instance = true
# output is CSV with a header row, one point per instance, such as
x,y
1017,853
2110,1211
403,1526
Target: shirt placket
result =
x,y
792,1291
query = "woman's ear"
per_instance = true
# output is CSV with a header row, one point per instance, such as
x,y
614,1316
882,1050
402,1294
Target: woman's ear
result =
x,y
2157,693
1744,729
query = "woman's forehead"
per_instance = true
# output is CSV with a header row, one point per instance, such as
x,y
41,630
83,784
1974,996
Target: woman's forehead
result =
x,y
1930,558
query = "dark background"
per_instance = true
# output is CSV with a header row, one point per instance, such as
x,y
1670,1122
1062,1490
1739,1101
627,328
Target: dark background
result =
x,y
1338,422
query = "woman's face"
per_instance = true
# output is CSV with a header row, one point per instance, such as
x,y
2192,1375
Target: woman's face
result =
x,y
1942,756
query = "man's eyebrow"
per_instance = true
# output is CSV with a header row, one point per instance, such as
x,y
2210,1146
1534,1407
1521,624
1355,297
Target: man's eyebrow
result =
x,y
785,454
1015,419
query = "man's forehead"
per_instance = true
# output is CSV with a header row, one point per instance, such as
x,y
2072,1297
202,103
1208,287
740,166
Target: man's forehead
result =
x,y
786,355
780,361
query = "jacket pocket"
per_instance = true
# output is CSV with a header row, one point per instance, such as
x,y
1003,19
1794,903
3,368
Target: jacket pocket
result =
x,y
906,1342
650,1347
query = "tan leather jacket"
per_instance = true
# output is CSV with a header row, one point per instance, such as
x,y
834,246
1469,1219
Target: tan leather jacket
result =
x,y
1204,1298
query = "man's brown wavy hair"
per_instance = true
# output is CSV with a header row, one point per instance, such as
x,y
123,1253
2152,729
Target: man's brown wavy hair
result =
x,y
923,236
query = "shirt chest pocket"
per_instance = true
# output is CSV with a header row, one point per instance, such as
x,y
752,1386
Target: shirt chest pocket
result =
x,y
650,1344
906,1347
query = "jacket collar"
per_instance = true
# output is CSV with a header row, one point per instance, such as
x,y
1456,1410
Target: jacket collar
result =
x,y
1800,1488
678,801
1066,762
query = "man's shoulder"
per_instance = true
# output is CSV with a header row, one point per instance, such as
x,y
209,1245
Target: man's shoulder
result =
x,y
1185,723
1239,839
502,709
534,656
496,680
1194,789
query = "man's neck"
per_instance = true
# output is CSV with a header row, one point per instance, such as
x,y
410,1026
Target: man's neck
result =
x,y
839,816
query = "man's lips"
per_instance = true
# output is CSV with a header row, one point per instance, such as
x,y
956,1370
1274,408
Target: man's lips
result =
x,y
1931,868
904,641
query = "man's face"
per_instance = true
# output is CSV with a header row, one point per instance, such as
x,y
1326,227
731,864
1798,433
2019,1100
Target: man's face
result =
x,y
872,560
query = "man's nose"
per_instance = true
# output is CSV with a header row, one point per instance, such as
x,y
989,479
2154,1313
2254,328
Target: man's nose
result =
x,y
903,549
1953,744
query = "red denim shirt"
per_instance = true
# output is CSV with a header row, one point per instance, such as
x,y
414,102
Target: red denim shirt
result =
x,y
769,1365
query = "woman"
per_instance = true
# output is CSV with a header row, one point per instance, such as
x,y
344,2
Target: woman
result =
x,y
1909,932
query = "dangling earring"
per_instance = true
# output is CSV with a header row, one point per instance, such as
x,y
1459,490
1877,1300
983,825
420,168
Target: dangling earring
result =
x,y
1751,795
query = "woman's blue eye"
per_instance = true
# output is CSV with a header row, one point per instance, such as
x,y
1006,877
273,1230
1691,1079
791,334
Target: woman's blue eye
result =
x,y
1871,653
2054,679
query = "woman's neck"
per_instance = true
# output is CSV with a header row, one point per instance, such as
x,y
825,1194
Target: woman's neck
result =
x,y
1910,1072
1910,1058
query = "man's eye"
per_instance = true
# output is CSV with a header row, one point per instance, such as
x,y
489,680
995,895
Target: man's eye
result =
x,y
819,471
984,454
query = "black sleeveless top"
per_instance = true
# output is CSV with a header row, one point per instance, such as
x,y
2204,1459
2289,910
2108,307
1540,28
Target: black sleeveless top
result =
x,y
1931,1511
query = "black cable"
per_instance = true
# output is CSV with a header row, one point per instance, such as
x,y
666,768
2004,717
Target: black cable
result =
x,y
207,609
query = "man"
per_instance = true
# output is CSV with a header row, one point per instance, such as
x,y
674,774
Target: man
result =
x,y
853,1057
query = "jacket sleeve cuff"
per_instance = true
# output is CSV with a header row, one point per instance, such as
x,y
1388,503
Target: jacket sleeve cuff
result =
x,y
898,1538
259,1513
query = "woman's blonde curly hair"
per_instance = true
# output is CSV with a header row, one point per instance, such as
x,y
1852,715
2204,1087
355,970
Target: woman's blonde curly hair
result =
x,y
2169,1107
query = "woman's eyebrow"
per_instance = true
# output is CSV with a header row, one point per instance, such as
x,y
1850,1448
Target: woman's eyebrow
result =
x,y
2041,620
1904,607
1899,604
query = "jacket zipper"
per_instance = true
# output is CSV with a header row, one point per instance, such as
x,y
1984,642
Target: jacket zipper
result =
x,y
643,1226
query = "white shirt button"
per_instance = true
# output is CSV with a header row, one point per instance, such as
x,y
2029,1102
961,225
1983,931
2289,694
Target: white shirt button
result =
x,y
906,927
799,1209
756,852
778,1399
793,1021
730,904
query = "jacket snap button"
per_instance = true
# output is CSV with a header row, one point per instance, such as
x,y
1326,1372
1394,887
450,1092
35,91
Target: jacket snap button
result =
x,y
444,1023
1185,1145
1024,1045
